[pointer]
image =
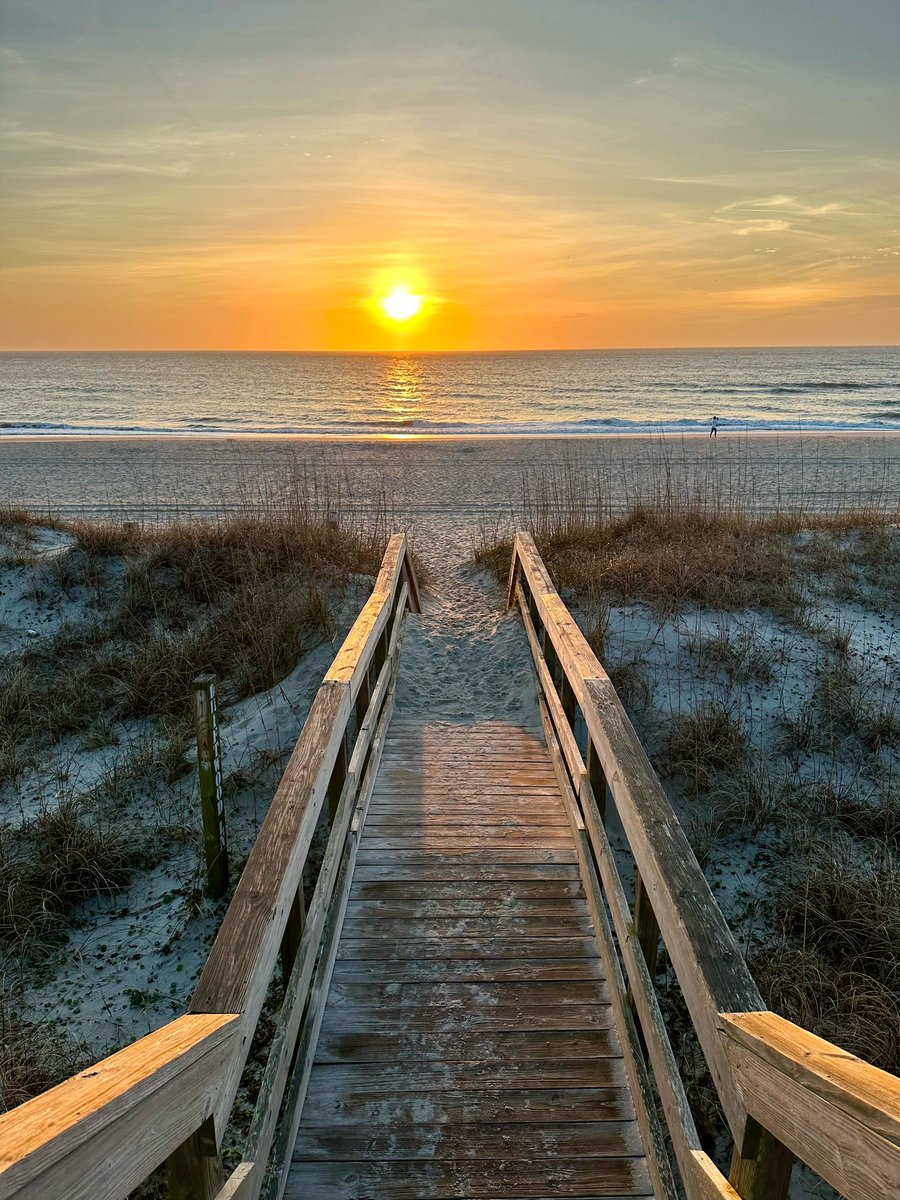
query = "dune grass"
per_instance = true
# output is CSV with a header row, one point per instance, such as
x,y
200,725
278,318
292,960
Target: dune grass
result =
x,y
245,595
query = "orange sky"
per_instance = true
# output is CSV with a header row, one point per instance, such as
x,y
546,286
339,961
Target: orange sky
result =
x,y
572,175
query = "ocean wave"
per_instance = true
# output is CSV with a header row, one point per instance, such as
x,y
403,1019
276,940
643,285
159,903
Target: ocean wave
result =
x,y
828,385
32,425
871,422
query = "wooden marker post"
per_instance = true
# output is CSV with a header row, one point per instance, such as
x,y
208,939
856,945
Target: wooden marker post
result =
x,y
209,769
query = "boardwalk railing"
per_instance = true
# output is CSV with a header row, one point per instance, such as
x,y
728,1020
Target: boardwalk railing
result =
x,y
168,1097
784,1092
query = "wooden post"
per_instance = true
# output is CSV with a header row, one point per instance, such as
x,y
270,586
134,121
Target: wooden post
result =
x,y
336,782
209,769
293,932
567,698
645,926
647,932
362,701
381,650
761,1168
195,1171
596,777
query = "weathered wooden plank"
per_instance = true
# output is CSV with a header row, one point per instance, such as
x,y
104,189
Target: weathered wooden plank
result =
x,y
484,996
434,1018
836,1113
418,929
449,867
418,1046
453,1078
418,816
540,842
401,1180
502,891
477,854
361,1104
463,970
99,1134
500,947
583,1139
447,908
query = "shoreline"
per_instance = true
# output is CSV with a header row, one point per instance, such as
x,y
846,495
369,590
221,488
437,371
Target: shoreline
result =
x,y
340,438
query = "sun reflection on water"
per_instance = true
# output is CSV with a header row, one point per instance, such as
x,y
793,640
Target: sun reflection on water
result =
x,y
404,398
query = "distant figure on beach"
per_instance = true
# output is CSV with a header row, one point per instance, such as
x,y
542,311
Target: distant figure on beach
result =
x,y
714,427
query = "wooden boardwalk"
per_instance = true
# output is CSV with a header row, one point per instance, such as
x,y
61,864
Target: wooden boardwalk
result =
x,y
468,1047
467,1003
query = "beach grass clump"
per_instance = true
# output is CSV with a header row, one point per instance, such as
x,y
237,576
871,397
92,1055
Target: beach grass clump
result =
x,y
56,861
742,656
845,1006
703,741
842,899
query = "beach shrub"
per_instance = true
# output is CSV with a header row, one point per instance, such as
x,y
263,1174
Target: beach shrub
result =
x,y
707,739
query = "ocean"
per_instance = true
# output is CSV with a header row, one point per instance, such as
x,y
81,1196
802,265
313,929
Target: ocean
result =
x,y
551,392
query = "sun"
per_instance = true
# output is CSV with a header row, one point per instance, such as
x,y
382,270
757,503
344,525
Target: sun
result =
x,y
401,304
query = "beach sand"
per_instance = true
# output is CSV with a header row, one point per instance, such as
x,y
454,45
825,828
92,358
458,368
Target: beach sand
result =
x,y
465,480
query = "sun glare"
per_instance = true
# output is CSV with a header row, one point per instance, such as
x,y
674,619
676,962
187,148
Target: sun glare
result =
x,y
401,304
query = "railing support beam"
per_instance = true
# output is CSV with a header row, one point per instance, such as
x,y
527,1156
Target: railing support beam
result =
x,y
195,1171
761,1169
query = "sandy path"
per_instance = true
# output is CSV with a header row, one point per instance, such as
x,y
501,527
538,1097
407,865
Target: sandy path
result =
x,y
465,658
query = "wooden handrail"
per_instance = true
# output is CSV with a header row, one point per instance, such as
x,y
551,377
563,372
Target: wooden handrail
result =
x,y
169,1096
709,966
785,1092
244,954
96,1136
838,1114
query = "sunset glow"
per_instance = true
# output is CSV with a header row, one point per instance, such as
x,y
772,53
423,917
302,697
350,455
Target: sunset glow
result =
x,y
443,176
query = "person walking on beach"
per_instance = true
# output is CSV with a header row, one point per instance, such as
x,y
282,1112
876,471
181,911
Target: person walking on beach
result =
x,y
714,428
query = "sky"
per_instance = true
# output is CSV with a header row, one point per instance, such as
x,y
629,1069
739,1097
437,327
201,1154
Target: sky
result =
x,y
220,174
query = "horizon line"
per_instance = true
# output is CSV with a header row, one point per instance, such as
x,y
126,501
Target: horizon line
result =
x,y
461,351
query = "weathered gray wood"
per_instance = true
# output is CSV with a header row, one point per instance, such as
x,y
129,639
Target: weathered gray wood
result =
x,y
394,1079
96,1136
420,1046
497,856
467,1021
433,970
433,1018
454,867
450,928
583,1139
518,889
452,908
356,1101
517,1178
468,996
